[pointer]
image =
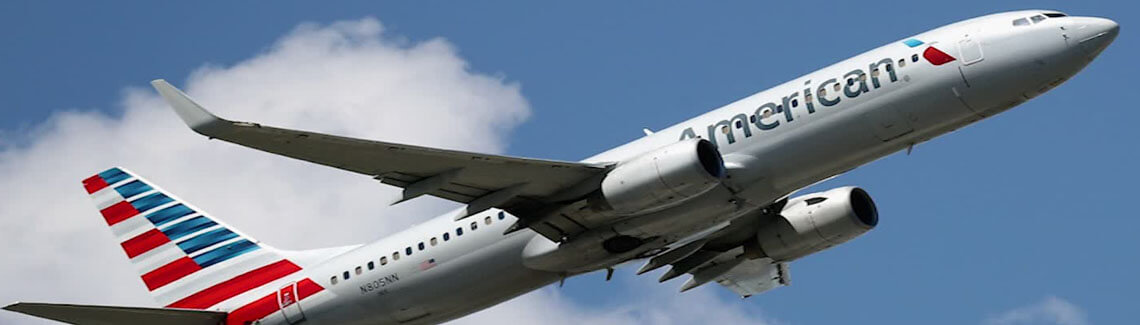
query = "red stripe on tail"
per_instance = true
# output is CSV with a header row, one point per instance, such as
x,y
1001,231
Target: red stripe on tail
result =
x,y
253,311
94,184
118,212
144,243
170,273
237,285
307,288
260,308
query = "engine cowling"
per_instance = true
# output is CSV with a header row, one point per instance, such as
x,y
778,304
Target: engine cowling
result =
x,y
663,177
818,221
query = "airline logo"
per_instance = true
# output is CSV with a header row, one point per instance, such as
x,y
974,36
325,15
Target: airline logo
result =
x,y
931,54
912,42
188,259
820,95
936,56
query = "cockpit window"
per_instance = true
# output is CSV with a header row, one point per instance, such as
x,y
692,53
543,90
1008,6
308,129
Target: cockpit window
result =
x,y
1037,18
1021,22
1054,15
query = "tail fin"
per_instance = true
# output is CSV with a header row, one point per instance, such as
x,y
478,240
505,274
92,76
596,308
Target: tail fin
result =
x,y
188,259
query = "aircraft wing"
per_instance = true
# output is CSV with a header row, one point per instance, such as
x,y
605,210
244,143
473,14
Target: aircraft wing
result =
x,y
734,269
108,315
480,180
726,257
755,276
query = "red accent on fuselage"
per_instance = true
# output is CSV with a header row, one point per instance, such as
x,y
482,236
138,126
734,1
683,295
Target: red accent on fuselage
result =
x,y
936,56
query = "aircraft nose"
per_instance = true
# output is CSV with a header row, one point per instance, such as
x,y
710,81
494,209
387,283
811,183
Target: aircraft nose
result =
x,y
1094,34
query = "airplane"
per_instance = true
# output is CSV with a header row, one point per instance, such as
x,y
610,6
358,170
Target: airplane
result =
x,y
710,197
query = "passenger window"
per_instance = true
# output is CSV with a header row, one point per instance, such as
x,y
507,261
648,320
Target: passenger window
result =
x,y
408,251
487,220
474,225
739,124
333,280
359,270
384,260
459,231
346,275
752,118
421,246
371,265
779,108
850,82
1021,22
446,236
502,215
823,92
902,63
434,241
875,73
795,103
395,256
914,58
1037,18
807,98
836,87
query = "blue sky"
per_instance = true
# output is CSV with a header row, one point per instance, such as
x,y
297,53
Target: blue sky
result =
x,y
1013,212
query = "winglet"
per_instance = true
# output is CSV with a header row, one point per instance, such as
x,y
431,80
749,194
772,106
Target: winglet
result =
x,y
197,118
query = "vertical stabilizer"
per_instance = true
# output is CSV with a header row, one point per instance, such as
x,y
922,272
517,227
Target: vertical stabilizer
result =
x,y
188,259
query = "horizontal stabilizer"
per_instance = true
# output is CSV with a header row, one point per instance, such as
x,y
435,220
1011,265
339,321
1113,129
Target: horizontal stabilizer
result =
x,y
100,315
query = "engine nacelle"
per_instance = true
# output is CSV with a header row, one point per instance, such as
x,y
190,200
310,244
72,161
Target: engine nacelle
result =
x,y
818,221
663,177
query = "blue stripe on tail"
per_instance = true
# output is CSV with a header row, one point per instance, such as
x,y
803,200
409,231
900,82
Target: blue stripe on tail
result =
x,y
207,239
224,253
169,214
187,227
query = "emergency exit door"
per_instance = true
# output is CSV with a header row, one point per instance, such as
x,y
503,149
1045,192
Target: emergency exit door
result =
x,y
290,304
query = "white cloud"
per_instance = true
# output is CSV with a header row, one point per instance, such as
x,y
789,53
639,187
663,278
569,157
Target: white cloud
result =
x,y
347,78
1051,310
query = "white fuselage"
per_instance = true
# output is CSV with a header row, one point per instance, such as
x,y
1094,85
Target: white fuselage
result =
x,y
811,132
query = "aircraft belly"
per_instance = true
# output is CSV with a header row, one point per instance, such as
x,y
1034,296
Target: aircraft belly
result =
x,y
468,283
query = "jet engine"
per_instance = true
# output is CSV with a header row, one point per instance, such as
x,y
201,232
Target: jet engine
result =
x,y
662,178
818,221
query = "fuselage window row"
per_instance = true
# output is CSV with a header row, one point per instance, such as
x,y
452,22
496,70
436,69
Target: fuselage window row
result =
x,y
408,250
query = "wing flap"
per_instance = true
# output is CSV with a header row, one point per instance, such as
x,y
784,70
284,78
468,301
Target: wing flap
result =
x,y
107,315
755,276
